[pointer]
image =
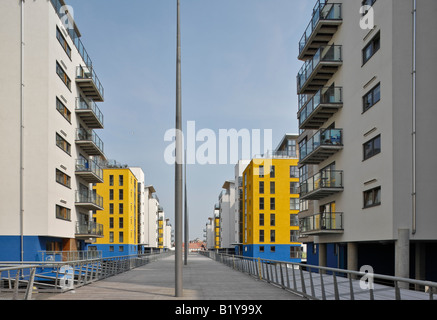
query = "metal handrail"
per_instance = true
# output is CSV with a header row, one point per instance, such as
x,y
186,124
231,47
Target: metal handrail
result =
x,y
61,276
312,282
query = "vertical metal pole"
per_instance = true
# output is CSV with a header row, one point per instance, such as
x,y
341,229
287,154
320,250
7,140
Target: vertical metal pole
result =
x,y
22,135
178,167
187,240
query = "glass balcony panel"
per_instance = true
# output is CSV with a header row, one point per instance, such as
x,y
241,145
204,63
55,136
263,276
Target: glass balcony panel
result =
x,y
89,199
89,170
89,229
326,222
89,112
88,81
322,184
89,141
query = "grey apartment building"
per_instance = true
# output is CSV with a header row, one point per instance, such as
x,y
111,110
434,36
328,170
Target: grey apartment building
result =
x,y
367,152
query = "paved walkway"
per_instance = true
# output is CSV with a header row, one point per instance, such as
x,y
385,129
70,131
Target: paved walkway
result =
x,y
203,279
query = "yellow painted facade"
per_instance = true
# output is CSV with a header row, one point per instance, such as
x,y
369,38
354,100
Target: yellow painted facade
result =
x,y
270,204
120,215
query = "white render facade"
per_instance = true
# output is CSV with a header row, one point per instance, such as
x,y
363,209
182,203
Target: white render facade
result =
x,y
366,109
50,112
228,232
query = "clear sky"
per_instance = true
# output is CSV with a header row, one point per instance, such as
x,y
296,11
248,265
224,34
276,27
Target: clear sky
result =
x,y
239,67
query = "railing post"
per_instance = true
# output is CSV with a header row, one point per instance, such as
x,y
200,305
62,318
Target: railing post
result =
x,y
16,284
29,289
337,297
304,290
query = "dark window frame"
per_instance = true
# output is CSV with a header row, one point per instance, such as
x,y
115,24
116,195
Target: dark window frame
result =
x,y
374,98
373,150
374,45
374,195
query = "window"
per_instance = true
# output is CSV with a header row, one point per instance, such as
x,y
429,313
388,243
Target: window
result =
x,y
261,187
63,110
294,203
63,144
294,172
372,147
261,171
372,97
111,223
295,252
111,180
120,194
367,2
62,178
261,203
63,213
272,219
272,203
372,197
120,208
120,237
294,220
303,173
120,180
120,222
272,171
303,205
63,42
272,187
261,236
371,48
294,235
111,236
261,248
111,208
294,187
261,219
111,194
61,73
272,248
272,235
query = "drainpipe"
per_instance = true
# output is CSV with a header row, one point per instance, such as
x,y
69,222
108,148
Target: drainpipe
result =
x,y
22,133
414,117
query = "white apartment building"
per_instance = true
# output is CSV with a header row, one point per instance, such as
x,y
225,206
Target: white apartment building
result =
x,y
149,240
367,155
50,112
228,232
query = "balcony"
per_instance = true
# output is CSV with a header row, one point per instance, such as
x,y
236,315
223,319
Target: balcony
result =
x,y
89,230
90,114
323,25
321,223
316,109
89,170
321,146
89,83
316,72
89,141
89,200
321,185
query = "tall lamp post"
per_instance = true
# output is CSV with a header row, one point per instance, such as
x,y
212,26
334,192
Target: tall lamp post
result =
x,y
178,167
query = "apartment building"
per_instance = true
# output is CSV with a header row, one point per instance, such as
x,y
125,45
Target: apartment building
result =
x,y
120,215
366,161
50,101
238,207
228,232
271,204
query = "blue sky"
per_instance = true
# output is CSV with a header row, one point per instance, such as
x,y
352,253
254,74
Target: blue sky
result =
x,y
239,66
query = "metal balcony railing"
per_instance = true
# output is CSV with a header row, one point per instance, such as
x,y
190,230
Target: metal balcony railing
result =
x,y
329,14
89,229
326,56
315,109
322,184
89,199
89,141
321,146
96,91
91,167
94,121
326,222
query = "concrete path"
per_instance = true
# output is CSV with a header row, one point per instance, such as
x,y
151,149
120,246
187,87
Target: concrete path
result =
x,y
203,278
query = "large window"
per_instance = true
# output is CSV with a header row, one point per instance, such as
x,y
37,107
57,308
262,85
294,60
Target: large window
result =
x,y
63,179
372,197
272,187
294,187
371,48
371,97
261,219
272,204
272,236
372,147
63,42
63,75
294,172
63,110
272,219
261,187
63,144
294,203
63,213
